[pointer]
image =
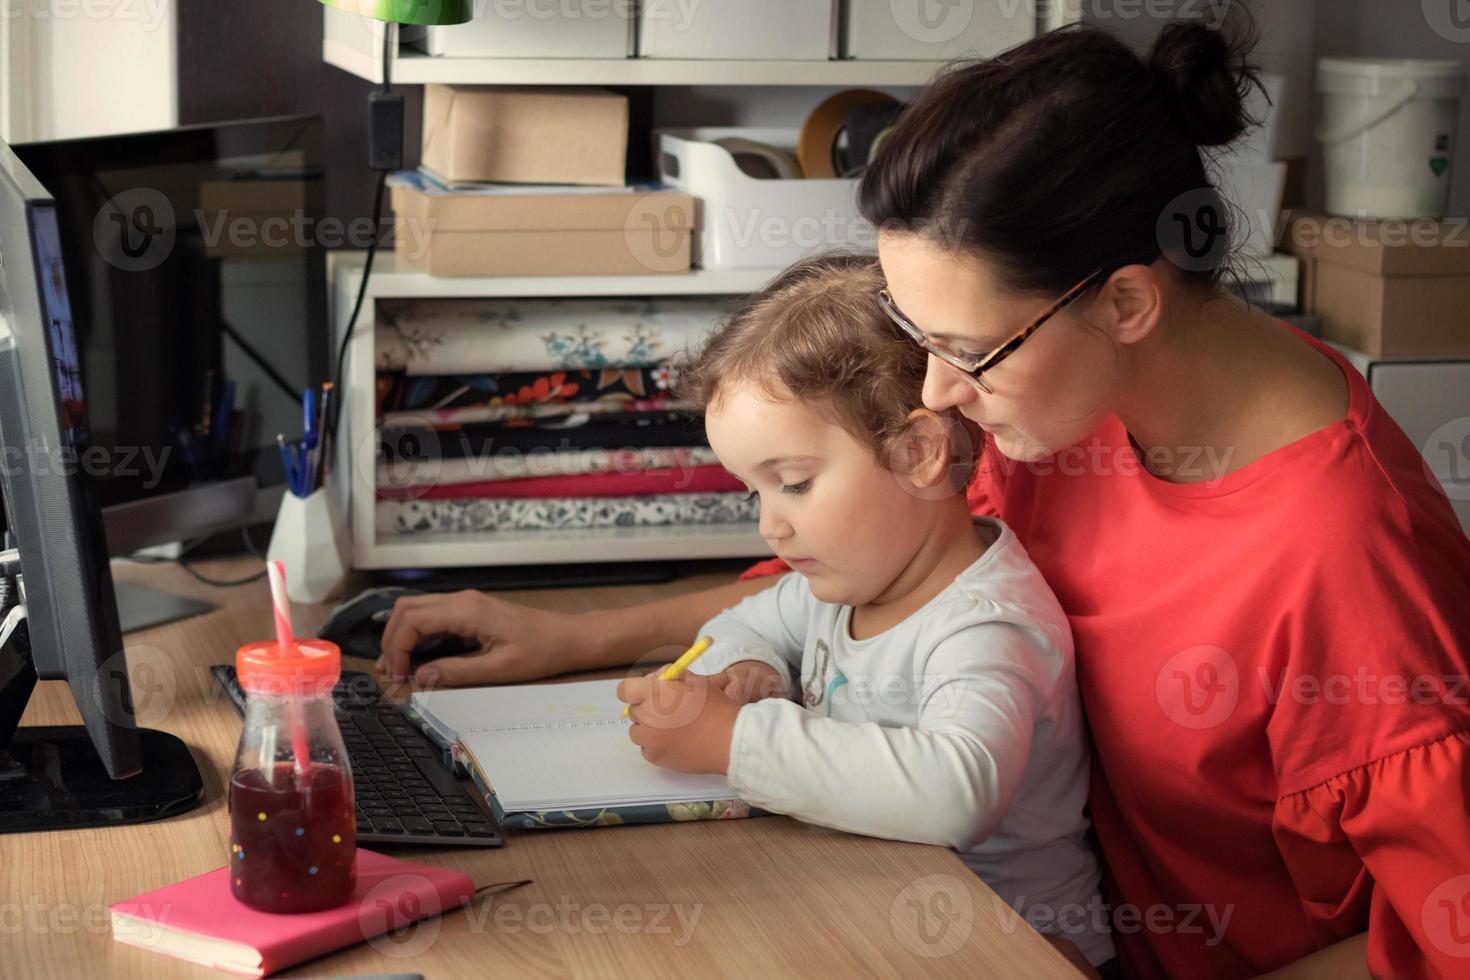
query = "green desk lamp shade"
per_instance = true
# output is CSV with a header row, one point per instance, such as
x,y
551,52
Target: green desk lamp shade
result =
x,y
422,12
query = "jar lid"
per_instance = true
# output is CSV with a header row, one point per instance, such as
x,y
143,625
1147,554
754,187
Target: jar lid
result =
x,y
311,671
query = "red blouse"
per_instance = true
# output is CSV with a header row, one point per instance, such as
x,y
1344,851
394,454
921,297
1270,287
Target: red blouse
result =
x,y
1273,665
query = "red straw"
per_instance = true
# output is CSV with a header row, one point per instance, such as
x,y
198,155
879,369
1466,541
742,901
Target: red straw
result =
x,y
285,637
286,646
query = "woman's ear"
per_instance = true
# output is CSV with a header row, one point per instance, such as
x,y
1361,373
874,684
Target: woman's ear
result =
x,y
926,455
1130,303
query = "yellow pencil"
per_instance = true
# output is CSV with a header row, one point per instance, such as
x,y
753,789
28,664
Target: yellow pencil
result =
x,y
677,668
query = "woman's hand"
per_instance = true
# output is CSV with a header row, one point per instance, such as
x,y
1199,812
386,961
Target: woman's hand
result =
x,y
684,724
517,643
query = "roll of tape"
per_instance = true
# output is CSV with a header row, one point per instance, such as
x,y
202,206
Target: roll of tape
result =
x,y
879,142
761,160
820,131
865,123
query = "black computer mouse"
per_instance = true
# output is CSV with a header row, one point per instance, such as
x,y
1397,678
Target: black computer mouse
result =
x,y
357,627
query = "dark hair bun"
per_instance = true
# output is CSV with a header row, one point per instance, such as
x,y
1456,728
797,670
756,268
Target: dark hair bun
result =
x,y
1205,75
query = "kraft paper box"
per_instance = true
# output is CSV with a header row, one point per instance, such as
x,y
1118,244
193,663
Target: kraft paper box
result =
x,y
540,231
1386,287
525,135
258,218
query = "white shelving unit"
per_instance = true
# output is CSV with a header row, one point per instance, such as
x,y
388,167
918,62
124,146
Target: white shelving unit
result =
x,y
354,44
355,477
417,68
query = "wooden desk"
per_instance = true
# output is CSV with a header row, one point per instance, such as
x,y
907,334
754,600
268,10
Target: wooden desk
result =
x,y
762,898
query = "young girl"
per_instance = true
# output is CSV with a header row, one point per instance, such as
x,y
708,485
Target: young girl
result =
x,y
931,666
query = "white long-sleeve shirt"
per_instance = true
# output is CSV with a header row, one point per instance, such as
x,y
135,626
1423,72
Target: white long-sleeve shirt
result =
x,y
959,726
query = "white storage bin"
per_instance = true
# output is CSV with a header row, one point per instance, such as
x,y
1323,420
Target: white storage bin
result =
x,y
760,30
748,223
909,30
533,29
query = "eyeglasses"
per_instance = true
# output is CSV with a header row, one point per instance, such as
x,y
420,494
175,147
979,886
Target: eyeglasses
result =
x,y
974,366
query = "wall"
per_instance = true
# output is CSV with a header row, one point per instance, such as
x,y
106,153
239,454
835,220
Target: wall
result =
x,y
239,60
1286,47
74,68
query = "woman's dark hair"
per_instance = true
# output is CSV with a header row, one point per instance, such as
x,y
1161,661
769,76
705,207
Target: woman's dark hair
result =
x,y
1061,156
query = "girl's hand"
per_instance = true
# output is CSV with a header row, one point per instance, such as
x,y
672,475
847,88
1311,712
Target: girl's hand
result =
x,y
750,680
684,724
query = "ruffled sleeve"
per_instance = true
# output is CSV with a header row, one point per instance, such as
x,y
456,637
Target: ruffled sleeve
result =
x,y
1386,847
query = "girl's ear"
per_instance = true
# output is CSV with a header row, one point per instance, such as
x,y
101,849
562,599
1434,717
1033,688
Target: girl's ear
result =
x,y
925,455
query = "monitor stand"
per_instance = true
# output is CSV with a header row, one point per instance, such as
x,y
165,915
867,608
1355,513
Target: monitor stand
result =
x,y
51,777
139,608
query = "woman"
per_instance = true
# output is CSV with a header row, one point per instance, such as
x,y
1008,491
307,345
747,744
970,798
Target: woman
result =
x,y
1270,597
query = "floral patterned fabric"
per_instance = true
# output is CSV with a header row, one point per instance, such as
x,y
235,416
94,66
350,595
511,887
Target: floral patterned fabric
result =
x,y
397,392
484,514
540,463
524,416
629,430
684,479
628,815
424,337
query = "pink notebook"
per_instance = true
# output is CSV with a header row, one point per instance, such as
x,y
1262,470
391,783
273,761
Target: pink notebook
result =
x,y
199,920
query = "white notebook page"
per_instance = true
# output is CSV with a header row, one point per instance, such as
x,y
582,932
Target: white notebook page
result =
x,y
560,746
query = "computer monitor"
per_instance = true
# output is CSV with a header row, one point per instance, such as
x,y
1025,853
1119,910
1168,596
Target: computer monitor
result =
x,y
196,263
58,615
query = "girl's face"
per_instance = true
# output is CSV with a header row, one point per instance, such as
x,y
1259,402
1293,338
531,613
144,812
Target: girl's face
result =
x,y
827,506
1050,393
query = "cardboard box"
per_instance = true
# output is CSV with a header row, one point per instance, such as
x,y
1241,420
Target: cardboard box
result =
x,y
1430,400
525,135
543,232
1386,287
258,218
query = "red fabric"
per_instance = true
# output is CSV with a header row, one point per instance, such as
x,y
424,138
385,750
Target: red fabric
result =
x,y
1273,667
696,479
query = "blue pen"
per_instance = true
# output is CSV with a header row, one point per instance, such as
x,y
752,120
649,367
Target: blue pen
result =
x,y
308,471
309,419
288,461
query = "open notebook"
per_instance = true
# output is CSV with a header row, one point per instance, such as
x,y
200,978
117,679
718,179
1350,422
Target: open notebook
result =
x,y
558,755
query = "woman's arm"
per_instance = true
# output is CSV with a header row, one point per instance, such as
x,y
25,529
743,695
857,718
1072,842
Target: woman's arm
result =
x,y
1347,960
624,635
519,643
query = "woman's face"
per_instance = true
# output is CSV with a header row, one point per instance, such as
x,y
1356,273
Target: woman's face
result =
x,y
1050,393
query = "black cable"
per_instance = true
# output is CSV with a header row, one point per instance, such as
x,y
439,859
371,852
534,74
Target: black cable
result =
x,y
221,583
260,361
250,545
183,563
390,37
367,271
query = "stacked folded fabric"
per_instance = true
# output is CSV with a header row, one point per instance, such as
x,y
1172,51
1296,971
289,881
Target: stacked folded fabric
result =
x,y
536,414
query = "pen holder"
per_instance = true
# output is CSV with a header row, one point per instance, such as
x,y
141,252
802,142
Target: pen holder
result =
x,y
310,537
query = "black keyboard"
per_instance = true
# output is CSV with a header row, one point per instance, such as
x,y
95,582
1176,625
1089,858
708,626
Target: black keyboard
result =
x,y
405,792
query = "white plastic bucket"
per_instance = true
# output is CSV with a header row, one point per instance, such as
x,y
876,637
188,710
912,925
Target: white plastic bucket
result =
x,y
1388,134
